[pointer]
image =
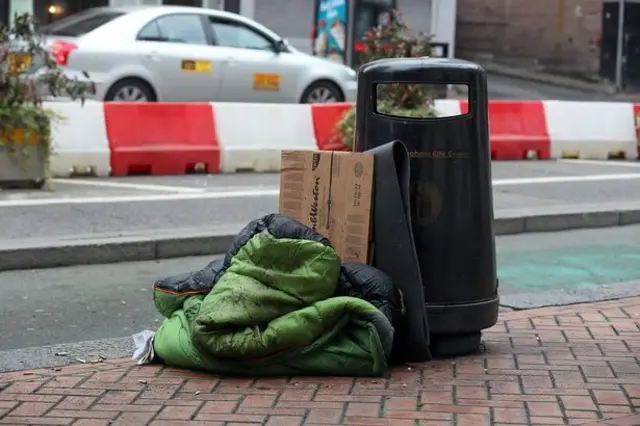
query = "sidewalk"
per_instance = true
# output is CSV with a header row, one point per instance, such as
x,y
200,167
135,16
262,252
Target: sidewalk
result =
x,y
575,365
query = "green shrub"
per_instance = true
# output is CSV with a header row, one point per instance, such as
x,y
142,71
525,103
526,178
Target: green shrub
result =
x,y
23,118
393,40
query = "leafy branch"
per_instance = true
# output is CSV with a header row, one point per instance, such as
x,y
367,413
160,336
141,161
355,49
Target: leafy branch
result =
x,y
394,39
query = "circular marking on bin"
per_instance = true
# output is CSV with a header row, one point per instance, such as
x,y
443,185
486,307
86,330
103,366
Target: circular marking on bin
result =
x,y
428,203
358,169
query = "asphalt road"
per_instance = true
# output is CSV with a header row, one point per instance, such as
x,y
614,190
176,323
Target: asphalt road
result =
x,y
93,310
500,87
86,207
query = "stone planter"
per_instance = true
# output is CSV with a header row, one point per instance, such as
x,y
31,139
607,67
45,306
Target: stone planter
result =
x,y
24,167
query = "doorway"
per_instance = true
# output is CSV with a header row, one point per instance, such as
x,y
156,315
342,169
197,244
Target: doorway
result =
x,y
630,47
4,13
48,11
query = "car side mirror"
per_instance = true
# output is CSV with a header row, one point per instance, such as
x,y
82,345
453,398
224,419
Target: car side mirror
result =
x,y
280,46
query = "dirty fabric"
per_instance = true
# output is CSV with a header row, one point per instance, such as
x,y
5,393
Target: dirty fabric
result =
x,y
279,303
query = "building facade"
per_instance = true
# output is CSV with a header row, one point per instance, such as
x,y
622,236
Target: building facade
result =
x,y
49,10
292,19
559,34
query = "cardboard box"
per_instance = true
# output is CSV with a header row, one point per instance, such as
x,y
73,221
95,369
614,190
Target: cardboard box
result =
x,y
332,193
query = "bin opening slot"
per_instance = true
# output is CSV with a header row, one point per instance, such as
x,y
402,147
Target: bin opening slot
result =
x,y
418,100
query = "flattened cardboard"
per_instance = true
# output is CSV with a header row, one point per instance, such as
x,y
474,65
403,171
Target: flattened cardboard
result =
x,y
332,193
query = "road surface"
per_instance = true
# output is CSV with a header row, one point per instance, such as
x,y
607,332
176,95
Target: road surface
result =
x,y
86,207
500,87
101,306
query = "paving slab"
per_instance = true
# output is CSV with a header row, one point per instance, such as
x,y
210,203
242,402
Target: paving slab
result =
x,y
576,365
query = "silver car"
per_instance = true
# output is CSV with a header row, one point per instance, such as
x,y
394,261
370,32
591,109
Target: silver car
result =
x,y
188,54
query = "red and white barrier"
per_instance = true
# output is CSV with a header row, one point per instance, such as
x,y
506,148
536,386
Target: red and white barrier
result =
x,y
79,140
119,139
251,136
325,118
161,139
591,130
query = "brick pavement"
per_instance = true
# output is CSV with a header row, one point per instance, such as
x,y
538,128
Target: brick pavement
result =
x,y
576,365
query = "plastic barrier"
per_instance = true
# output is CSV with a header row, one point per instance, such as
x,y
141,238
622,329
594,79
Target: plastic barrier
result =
x,y
591,130
234,137
327,116
162,138
325,119
79,140
252,135
448,107
517,130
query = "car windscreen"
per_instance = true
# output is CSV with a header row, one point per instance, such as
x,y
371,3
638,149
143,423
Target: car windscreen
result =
x,y
81,23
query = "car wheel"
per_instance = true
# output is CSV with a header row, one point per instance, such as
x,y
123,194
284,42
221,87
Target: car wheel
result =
x,y
130,90
322,92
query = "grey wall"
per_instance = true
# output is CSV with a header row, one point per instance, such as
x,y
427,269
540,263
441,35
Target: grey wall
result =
x,y
291,19
416,13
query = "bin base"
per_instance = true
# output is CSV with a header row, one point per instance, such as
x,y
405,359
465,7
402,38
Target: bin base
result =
x,y
444,346
462,318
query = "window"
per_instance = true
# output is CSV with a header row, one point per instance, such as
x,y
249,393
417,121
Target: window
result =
x,y
231,34
151,32
81,23
4,13
175,29
213,4
369,14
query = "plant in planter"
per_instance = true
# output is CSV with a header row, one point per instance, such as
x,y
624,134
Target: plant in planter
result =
x,y
27,70
393,40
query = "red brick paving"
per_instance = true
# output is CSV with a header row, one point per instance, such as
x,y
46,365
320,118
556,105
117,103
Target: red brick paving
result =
x,y
576,365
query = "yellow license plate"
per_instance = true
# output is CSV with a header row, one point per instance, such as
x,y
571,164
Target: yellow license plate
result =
x,y
19,62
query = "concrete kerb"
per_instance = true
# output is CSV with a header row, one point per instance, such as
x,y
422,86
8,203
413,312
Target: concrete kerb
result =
x,y
565,218
564,297
546,78
157,245
105,248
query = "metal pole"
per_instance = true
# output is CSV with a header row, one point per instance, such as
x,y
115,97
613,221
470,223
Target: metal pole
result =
x,y
620,43
350,33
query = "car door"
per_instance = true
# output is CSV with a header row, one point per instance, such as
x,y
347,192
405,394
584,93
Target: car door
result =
x,y
253,71
177,52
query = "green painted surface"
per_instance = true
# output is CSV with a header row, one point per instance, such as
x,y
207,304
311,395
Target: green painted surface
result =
x,y
571,267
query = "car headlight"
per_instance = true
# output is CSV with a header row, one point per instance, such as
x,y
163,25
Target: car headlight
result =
x,y
352,74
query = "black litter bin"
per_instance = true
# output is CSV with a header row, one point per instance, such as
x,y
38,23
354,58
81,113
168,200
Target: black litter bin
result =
x,y
451,195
